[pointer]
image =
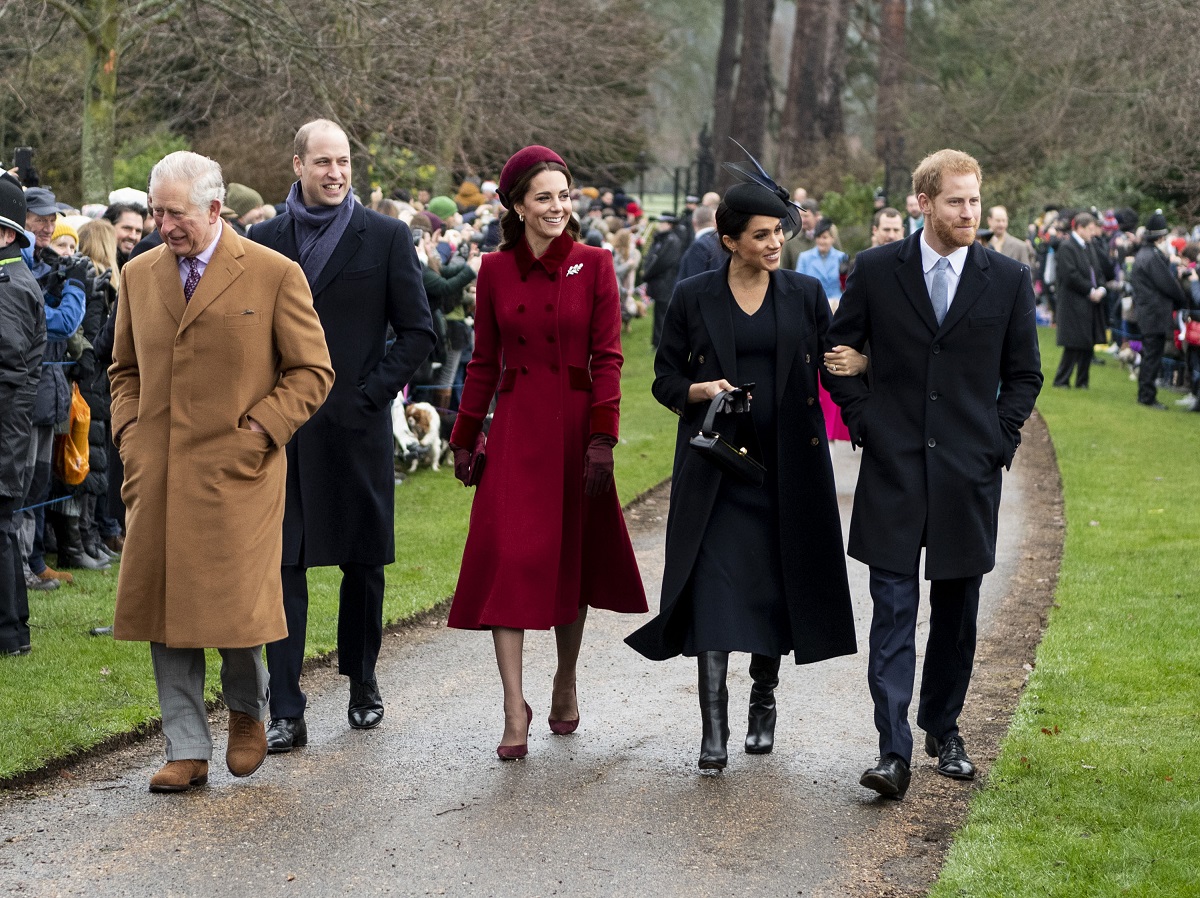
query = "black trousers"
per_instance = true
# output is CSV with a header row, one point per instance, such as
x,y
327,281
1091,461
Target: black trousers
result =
x,y
360,633
949,656
1079,359
1152,356
14,600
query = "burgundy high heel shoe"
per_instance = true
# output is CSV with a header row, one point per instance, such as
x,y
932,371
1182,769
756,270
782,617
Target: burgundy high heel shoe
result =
x,y
563,727
516,752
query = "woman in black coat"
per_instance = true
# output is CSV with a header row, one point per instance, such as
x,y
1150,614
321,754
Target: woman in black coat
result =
x,y
751,569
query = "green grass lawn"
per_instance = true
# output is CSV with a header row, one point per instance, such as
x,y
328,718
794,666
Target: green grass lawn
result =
x,y
1097,788
77,690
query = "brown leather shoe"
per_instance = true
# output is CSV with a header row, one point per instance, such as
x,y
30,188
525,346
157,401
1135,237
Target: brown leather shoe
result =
x,y
247,744
51,574
179,776
115,543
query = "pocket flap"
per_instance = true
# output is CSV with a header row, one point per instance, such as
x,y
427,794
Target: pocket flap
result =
x,y
579,378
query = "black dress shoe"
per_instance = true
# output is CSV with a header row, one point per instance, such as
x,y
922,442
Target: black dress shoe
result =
x,y
952,756
366,706
890,777
286,733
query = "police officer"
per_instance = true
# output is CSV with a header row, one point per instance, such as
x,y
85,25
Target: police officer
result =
x,y
22,342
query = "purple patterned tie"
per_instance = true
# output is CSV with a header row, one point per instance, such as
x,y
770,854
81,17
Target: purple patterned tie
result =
x,y
193,278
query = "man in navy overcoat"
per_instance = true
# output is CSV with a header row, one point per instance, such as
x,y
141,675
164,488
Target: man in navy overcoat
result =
x,y
365,277
954,372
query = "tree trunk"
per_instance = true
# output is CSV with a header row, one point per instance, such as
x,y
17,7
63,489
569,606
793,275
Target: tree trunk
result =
x,y
750,103
892,52
795,124
831,125
727,60
100,100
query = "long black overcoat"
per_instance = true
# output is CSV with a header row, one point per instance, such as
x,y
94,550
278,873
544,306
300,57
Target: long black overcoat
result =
x,y
944,409
1157,293
697,346
1079,322
340,479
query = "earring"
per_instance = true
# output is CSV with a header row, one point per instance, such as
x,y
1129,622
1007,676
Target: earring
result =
x,y
520,216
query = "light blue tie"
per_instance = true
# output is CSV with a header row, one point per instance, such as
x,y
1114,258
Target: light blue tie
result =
x,y
940,294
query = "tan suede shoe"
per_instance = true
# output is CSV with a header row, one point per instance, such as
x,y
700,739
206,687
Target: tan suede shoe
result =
x,y
179,776
247,744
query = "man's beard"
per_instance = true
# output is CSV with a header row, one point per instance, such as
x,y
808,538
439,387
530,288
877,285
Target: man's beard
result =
x,y
951,235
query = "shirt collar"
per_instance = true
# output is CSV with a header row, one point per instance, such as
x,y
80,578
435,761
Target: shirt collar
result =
x,y
929,257
1078,239
204,257
550,261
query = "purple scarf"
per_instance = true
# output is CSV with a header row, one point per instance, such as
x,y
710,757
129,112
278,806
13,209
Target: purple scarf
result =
x,y
318,230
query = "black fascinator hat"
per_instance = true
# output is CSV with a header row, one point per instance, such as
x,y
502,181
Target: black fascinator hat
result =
x,y
755,175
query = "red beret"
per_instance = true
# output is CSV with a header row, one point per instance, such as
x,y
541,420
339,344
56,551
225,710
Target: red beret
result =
x,y
520,162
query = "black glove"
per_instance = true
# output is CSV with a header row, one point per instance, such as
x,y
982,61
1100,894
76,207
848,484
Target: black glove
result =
x,y
598,464
78,269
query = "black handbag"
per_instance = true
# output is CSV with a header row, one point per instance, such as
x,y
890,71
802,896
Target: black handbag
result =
x,y
712,446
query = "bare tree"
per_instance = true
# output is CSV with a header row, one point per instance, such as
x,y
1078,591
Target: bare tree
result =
x,y
748,125
727,64
891,66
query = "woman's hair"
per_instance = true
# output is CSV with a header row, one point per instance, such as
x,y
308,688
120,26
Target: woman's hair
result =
x,y
98,241
621,242
731,224
388,207
512,229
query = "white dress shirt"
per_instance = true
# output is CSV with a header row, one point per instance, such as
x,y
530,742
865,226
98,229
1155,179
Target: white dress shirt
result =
x,y
929,258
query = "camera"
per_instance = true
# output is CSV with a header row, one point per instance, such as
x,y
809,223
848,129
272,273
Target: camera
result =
x,y
418,236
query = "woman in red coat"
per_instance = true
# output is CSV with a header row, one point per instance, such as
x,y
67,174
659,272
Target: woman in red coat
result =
x,y
547,538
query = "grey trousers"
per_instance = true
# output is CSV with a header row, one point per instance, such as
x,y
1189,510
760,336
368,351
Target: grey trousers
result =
x,y
41,446
179,676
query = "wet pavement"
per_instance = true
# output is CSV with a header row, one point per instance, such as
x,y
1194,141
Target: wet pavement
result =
x,y
422,805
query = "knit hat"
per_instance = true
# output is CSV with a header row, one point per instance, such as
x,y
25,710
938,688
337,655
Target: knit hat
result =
x,y
442,206
422,221
241,199
632,208
61,228
1156,225
519,163
12,207
591,193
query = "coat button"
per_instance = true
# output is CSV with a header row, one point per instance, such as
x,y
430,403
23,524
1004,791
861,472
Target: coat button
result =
x,y
932,442
937,347
524,369
811,400
933,394
554,369
549,338
521,340
700,359
549,307
521,307
815,441
807,358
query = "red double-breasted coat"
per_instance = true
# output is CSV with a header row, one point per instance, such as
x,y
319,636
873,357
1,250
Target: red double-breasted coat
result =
x,y
547,338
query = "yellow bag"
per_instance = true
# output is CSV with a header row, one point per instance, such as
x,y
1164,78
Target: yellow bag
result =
x,y
71,448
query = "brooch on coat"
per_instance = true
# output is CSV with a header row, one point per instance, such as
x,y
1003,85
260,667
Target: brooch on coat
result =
x,y
575,269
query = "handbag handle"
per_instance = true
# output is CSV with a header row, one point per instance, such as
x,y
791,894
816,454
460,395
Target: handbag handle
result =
x,y
715,407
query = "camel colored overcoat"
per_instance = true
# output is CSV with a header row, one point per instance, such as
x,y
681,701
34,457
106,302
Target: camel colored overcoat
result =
x,y
204,493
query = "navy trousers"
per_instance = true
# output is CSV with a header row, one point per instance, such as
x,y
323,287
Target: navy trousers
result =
x,y
949,656
360,633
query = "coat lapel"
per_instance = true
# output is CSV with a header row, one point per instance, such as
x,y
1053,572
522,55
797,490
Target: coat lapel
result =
x,y
169,286
790,331
912,281
222,270
971,285
351,240
718,319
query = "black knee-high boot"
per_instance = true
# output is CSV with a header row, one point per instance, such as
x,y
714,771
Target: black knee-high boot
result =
x,y
714,709
760,733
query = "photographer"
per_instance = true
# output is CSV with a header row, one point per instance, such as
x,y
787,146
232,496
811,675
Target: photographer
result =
x,y
63,283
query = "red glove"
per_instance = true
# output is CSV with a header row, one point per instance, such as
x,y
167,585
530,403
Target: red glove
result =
x,y
462,463
468,466
598,464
